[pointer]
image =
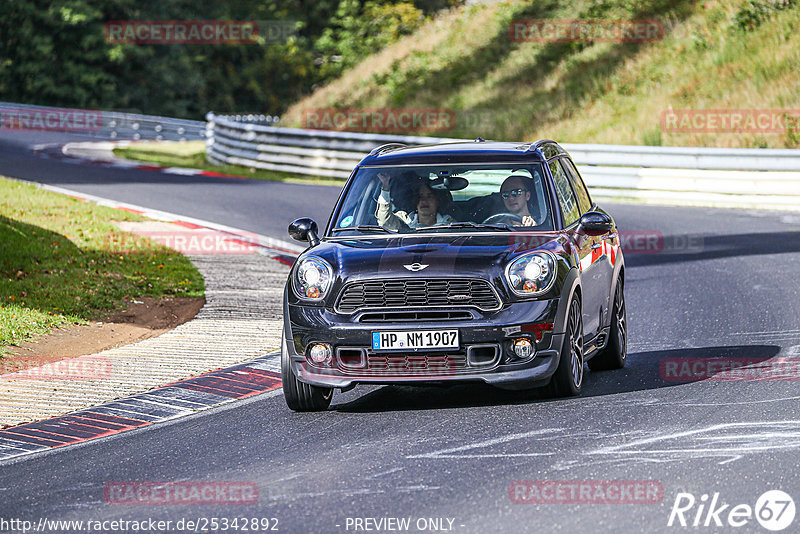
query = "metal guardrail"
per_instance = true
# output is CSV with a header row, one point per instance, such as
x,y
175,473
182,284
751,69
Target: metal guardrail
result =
x,y
715,176
294,150
101,124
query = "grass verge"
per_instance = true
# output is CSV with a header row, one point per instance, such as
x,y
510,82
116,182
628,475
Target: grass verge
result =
x,y
62,260
711,55
192,155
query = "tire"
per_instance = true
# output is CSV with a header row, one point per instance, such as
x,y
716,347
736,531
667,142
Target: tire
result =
x,y
568,378
299,396
615,353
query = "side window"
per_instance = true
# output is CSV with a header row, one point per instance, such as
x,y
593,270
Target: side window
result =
x,y
566,197
584,201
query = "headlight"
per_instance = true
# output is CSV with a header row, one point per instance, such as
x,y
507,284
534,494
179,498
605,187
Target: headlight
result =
x,y
532,274
312,279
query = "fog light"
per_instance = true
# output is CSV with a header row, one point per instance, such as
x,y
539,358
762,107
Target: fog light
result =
x,y
320,353
523,348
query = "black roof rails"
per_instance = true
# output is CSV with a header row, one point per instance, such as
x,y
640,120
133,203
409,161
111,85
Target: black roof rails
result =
x,y
545,144
387,146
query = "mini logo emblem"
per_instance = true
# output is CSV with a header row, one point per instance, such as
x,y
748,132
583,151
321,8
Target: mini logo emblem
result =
x,y
458,297
414,267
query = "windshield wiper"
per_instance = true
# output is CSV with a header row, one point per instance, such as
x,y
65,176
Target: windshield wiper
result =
x,y
365,228
467,224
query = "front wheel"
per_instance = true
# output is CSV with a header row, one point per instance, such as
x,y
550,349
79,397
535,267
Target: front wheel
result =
x,y
616,351
568,378
299,396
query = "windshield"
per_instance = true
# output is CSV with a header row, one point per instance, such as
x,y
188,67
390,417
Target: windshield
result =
x,y
445,198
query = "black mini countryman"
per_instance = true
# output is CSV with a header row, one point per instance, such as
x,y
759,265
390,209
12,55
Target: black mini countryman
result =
x,y
455,263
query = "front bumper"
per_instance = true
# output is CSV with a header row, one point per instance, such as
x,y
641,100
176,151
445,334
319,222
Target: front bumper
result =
x,y
306,325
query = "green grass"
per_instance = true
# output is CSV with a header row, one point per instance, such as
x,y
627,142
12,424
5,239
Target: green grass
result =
x,y
63,261
191,154
715,54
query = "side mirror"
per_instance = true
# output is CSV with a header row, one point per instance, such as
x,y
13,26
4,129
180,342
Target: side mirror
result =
x,y
304,229
595,222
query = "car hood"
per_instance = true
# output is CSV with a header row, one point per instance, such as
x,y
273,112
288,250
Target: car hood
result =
x,y
480,256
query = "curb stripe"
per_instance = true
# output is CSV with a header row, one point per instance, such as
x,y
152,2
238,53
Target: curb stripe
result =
x,y
17,446
169,402
47,152
71,431
123,423
189,225
137,212
44,434
15,436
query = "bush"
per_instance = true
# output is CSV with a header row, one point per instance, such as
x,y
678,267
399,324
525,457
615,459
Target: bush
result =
x,y
752,14
357,31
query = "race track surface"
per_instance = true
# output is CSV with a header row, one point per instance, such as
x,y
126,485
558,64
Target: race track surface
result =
x,y
724,286
258,206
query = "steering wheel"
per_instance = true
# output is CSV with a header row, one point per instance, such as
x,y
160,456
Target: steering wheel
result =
x,y
504,218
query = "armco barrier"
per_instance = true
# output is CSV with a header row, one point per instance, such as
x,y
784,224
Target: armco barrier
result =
x,y
111,124
708,176
755,178
294,150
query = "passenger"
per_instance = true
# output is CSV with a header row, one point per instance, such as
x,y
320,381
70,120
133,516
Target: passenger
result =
x,y
516,196
429,203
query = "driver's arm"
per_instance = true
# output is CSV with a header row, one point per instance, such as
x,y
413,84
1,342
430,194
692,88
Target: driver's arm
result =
x,y
387,219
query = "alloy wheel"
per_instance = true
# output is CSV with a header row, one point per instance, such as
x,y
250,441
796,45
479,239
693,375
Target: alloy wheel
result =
x,y
576,344
622,334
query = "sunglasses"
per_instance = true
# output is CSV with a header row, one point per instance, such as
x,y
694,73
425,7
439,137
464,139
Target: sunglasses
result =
x,y
513,193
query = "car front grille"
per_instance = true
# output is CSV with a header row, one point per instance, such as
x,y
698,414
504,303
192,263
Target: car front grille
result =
x,y
405,364
420,316
417,293
364,362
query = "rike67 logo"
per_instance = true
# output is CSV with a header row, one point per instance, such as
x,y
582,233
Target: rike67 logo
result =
x,y
774,510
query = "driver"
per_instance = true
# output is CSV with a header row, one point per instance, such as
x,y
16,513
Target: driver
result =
x,y
428,203
516,196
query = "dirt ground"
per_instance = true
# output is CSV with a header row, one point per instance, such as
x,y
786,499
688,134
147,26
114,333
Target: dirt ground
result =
x,y
141,319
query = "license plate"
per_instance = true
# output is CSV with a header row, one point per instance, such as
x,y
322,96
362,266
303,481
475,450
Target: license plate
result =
x,y
416,339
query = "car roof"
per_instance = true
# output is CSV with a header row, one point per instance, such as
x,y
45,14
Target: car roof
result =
x,y
478,151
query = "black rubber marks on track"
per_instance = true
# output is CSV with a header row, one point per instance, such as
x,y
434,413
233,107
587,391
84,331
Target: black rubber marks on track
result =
x,y
169,402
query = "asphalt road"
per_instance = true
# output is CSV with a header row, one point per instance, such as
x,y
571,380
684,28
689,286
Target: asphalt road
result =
x,y
454,453
258,206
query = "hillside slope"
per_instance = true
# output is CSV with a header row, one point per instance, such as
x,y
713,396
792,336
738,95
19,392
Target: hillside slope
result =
x,y
714,55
